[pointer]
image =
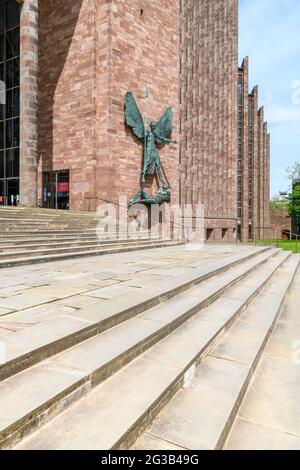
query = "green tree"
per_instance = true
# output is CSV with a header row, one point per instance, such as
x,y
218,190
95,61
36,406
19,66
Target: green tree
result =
x,y
278,203
293,172
294,207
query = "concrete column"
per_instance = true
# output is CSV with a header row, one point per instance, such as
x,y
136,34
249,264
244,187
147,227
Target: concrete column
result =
x,y
29,103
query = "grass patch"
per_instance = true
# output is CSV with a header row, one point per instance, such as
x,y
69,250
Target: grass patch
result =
x,y
287,245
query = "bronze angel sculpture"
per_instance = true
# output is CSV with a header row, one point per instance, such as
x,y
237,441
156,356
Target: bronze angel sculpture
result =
x,y
158,133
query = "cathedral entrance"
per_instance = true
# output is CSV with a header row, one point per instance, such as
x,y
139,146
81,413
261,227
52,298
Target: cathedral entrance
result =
x,y
56,189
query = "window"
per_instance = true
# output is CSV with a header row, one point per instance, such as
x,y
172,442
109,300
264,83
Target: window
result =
x,y
10,109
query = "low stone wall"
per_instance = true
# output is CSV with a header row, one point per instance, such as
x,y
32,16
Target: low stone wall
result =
x,y
280,222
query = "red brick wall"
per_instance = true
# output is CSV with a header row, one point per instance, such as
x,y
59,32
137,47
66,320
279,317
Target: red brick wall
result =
x,y
144,49
91,53
66,98
256,221
208,160
245,152
260,169
279,221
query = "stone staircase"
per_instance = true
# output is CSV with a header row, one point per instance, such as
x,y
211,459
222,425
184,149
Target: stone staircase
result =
x,y
163,369
39,235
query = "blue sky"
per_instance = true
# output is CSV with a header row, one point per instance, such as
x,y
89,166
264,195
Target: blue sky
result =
x,y
269,35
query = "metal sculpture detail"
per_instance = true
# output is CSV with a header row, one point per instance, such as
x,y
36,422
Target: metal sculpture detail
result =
x,y
157,133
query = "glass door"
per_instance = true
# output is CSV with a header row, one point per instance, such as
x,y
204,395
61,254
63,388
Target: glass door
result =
x,y
56,189
13,191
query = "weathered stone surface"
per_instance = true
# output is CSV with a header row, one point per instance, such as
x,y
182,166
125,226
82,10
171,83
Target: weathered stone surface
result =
x,y
30,390
25,300
96,352
285,336
200,415
29,66
254,163
41,335
195,418
4,311
150,442
86,425
251,436
38,314
116,346
273,399
4,331
269,416
207,121
83,81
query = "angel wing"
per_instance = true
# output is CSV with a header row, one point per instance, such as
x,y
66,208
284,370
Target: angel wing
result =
x,y
133,116
164,127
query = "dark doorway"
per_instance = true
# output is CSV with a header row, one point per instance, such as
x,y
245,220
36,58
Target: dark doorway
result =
x,y
56,191
13,192
209,233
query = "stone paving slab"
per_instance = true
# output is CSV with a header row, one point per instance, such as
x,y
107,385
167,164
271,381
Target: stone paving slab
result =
x,y
291,311
251,436
42,320
107,352
199,416
13,290
13,327
96,352
37,314
269,417
110,350
105,423
191,420
5,311
4,331
33,387
274,400
119,395
22,301
149,442
22,342
285,336
78,301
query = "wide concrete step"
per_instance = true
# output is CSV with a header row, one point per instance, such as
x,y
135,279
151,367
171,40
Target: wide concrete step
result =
x,y
79,253
200,415
19,219
53,239
99,232
41,243
24,221
51,337
46,212
104,354
25,233
65,247
269,416
56,238
115,412
27,227
6,232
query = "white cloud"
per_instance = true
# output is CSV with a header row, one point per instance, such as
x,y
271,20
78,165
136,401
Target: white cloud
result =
x,y
269,35
280,114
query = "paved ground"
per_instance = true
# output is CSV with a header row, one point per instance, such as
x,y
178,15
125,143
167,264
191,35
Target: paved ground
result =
x,y
37,301
269,417
36,293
